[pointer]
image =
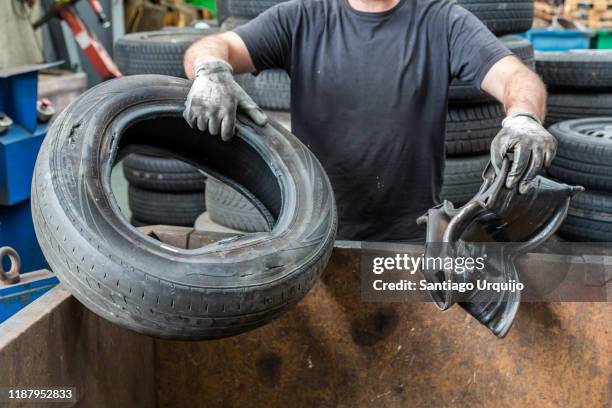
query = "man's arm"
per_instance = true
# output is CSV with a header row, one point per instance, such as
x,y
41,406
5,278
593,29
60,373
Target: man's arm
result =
x,y
227,47
523,95
516,87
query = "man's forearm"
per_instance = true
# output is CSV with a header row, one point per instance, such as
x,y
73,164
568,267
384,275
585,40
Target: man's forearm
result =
x,y
525,92
208,48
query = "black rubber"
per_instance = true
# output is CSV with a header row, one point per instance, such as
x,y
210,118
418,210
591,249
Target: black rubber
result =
x,y
271,89
502,17
230,209
567,106
156,52
163,208
133,280
589,218
162,174
577,70
248,8
471,128
584,155
460,91
463,178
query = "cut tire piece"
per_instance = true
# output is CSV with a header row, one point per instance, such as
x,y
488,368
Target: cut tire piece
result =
x,y
460,91
156,52
576,70
471,128
502,17
230,209
568,106
154,207
589,218
463,178
162,174
134,281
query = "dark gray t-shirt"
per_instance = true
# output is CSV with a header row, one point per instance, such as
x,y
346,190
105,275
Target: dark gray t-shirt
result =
x,y
369,98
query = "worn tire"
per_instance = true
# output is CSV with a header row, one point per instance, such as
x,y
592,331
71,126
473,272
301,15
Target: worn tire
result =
x,y
584,155
230,209
471,128
568,106
156,52
154,207
162,174
502,17
463,178
142,284
578,70
460,91
589,218
271,89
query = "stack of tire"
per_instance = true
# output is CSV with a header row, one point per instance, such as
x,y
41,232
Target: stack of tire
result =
x,y
161,190
474,118
580,111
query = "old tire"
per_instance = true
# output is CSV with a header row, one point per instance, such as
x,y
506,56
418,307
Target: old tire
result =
x,y
162,174
502,17
577,70
247,8
460,91
568,106
589,218
471,128
230,209
155,207
584,155
463,178
271,89
141,284
156,52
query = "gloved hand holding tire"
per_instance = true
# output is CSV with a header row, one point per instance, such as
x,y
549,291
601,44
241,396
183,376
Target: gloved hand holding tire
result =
x,y
533,148
214,99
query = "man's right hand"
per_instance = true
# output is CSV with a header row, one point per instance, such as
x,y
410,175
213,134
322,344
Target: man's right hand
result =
x,y
214,99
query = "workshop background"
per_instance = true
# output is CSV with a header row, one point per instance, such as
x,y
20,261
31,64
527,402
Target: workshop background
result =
x,y
341,353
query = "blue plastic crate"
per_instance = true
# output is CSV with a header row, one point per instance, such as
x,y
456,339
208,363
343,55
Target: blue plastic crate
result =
x,y
544,39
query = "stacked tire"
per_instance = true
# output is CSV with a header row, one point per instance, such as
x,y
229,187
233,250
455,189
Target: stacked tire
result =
x,y
161,190
473,120
580,112
584,157
579,83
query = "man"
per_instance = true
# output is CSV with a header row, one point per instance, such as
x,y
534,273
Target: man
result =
x,y
369,90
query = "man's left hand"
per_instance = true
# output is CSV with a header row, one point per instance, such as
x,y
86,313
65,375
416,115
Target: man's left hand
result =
x,y
533,148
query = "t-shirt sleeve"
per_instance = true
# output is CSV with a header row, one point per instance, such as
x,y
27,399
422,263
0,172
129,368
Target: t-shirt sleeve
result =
x,y
268,37
473,48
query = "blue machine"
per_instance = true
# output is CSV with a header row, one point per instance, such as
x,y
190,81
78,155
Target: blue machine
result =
x,y
15,297
19,145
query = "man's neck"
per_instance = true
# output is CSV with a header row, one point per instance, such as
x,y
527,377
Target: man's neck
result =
x,y
373,6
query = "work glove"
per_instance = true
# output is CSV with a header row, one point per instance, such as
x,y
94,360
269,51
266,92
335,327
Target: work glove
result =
x,y
214,99
532,146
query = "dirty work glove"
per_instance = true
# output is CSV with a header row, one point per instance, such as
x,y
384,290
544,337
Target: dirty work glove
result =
x,y
214,98
532,146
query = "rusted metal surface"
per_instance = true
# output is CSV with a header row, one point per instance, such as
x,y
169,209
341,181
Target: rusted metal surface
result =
x,y
56,342
333,350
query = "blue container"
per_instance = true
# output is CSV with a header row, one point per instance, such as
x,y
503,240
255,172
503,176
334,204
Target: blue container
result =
x,y
544,39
